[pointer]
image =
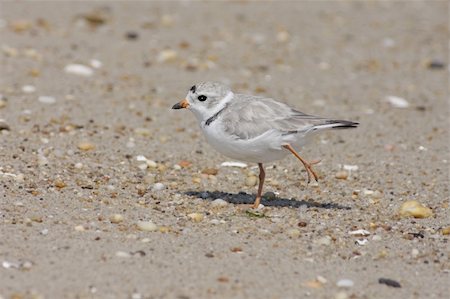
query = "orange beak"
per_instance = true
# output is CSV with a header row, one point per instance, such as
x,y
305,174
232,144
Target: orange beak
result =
x,y
183,104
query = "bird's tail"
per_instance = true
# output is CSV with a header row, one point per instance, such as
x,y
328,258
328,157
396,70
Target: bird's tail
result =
x,y
336,124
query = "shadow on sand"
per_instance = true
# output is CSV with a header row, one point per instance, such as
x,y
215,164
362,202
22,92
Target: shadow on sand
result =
x,y
244,198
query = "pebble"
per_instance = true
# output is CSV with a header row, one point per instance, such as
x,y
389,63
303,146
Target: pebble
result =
x,y
341,175
345,283
293,233
219,203
436,64
96,64
359,232
123,254
44,232
251,181
446,231
389,282
132,35
321,279
28,89
283,36
167,55
413,208
2,102
80,228
59,184
234,164
158,187
151,164
361,242
4,126
196,217
414,252
79,69
86,146
116,218
47,100
147,226
397,102
210,171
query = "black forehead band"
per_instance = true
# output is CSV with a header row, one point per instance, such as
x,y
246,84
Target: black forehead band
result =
x,y
193,88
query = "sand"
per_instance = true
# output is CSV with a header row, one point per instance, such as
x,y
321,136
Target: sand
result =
x,y
108,193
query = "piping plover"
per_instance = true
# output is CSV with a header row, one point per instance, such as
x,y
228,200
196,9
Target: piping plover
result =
x,y
253,128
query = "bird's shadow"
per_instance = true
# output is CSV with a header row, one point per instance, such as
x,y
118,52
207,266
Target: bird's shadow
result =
x,y
271,201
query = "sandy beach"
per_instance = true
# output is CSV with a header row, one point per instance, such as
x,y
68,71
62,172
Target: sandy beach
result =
x,y
105,192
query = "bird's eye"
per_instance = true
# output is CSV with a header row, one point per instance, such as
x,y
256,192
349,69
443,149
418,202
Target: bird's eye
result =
x,y
193,88
202,98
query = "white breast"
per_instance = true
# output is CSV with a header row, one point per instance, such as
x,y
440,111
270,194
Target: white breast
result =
x,y
264,148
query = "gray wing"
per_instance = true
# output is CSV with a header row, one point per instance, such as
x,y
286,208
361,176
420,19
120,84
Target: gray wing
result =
x,y
250,116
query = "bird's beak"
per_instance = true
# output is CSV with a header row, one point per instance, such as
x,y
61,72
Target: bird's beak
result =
x,y
183,104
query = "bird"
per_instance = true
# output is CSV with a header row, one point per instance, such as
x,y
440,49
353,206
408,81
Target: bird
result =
x,y
254,129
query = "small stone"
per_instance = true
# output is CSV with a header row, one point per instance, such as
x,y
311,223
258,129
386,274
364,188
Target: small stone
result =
x,y
359,232
28,89
80,228
397,102
283,36
167,55
184,163
321,279
143,132
413,208
446,231
151,164
269,195
210,171
116,218
44,232
341,175
234,164
132,35
147,226
79,69
59,184
345,283
251,181
219,203
196,217
86,146
47,100
2,102
389,282
436,65
302,224
293,233
19,26
4,126
96,64
158,187
123,254
414,252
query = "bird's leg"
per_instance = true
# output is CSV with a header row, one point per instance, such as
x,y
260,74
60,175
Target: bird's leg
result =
x,y
262,175
305,164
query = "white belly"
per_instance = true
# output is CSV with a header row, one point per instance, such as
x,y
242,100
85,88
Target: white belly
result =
x,y
264,148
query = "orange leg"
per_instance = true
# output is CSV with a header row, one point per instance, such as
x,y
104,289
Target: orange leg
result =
x,y
307,165
262,175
